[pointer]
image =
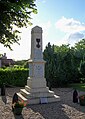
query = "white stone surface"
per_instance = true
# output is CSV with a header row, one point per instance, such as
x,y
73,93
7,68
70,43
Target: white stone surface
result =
x,y
36,33
36,68
36,83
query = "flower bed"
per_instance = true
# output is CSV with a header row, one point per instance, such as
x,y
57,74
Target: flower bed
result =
x,y
18,107
82,100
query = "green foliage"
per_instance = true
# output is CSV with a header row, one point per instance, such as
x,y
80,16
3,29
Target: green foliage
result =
x,y
82,69
26,65
78,86
14,76
1,55
19,104
14,13
63,62
21,63
48,57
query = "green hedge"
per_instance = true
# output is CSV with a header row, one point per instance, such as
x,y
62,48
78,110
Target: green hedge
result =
x,y
13,76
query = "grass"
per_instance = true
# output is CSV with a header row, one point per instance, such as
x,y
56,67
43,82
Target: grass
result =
x,y
78,86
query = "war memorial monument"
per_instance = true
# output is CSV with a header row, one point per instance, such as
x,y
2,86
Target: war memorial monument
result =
x,y
36,91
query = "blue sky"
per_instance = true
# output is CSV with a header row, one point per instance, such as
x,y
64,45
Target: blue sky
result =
x,y
62,21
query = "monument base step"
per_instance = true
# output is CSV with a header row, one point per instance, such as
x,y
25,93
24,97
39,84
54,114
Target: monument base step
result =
x,y
38,100
28,95
21,97
31,90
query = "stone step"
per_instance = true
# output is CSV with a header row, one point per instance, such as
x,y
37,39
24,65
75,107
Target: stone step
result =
x,y
43,100
25,93
38,100
27,88
55,98
33,90
36,94
21,97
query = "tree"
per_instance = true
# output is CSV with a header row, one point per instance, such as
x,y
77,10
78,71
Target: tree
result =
x,y
80,49
65,64
48,55
14,13
82,68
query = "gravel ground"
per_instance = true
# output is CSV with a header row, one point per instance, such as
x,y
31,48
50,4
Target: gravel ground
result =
x,y
64,109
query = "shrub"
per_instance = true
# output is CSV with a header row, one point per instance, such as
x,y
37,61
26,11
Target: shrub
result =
x,y
13,76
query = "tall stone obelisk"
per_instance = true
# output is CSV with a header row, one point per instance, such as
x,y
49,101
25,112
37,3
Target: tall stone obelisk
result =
x,y
36,63
35,91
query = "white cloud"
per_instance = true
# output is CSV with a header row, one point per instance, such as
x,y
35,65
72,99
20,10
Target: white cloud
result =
x,y
74,38
72,28
70,39
70,25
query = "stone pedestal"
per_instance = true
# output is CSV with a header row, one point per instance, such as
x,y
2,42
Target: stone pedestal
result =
x,y
35,91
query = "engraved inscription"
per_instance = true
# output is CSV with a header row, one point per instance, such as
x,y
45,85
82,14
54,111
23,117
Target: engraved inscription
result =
x,y
38,70
38,54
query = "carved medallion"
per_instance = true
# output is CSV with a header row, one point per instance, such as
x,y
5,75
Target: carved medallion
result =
x,y
38,41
